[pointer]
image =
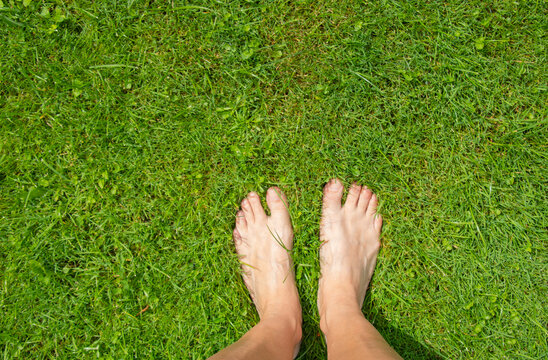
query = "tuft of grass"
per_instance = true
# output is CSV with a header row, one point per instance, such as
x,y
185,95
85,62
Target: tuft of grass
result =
x,y
129,132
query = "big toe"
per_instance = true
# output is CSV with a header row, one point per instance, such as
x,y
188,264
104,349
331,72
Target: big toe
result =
x,y
332,195
277,203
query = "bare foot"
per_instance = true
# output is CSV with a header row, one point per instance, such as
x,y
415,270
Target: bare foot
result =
x,y
350,244
264,244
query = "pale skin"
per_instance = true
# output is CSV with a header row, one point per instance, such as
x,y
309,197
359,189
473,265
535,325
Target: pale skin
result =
x,y
350,242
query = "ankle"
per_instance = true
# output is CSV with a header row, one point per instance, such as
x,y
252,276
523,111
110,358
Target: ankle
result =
x,y
341,317
284,323
338,307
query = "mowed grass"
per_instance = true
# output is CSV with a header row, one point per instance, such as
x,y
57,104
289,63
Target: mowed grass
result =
x,y
130,131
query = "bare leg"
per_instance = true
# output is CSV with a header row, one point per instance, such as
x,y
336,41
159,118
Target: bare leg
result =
x,y
350,244
263,243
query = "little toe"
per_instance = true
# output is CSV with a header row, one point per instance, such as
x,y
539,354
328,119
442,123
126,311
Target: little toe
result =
x,y
248,211
237,238
257,207
353,196
277,203
241,223
378,223
365,196
332,196
372,206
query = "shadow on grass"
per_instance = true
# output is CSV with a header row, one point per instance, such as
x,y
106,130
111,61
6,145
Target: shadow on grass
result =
x,y
313,344
404,344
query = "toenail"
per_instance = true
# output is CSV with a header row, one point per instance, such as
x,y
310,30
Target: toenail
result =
x,y
253,194
334,185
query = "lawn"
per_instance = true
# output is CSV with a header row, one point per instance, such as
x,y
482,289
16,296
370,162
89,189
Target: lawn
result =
x,y
130,130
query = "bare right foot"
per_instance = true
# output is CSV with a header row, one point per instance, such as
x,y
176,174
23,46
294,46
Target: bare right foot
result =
x,y
348,253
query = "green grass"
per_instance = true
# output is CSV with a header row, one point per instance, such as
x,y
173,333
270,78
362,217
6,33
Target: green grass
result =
x,y
130,130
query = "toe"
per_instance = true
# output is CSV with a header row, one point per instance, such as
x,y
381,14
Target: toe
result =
x,y
277,203
241,223
248,211
353,196
257,207
378,223
237,237
365,196
332,195
372,206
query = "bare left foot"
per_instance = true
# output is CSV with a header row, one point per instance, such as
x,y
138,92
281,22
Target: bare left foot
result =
x,y
264,244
